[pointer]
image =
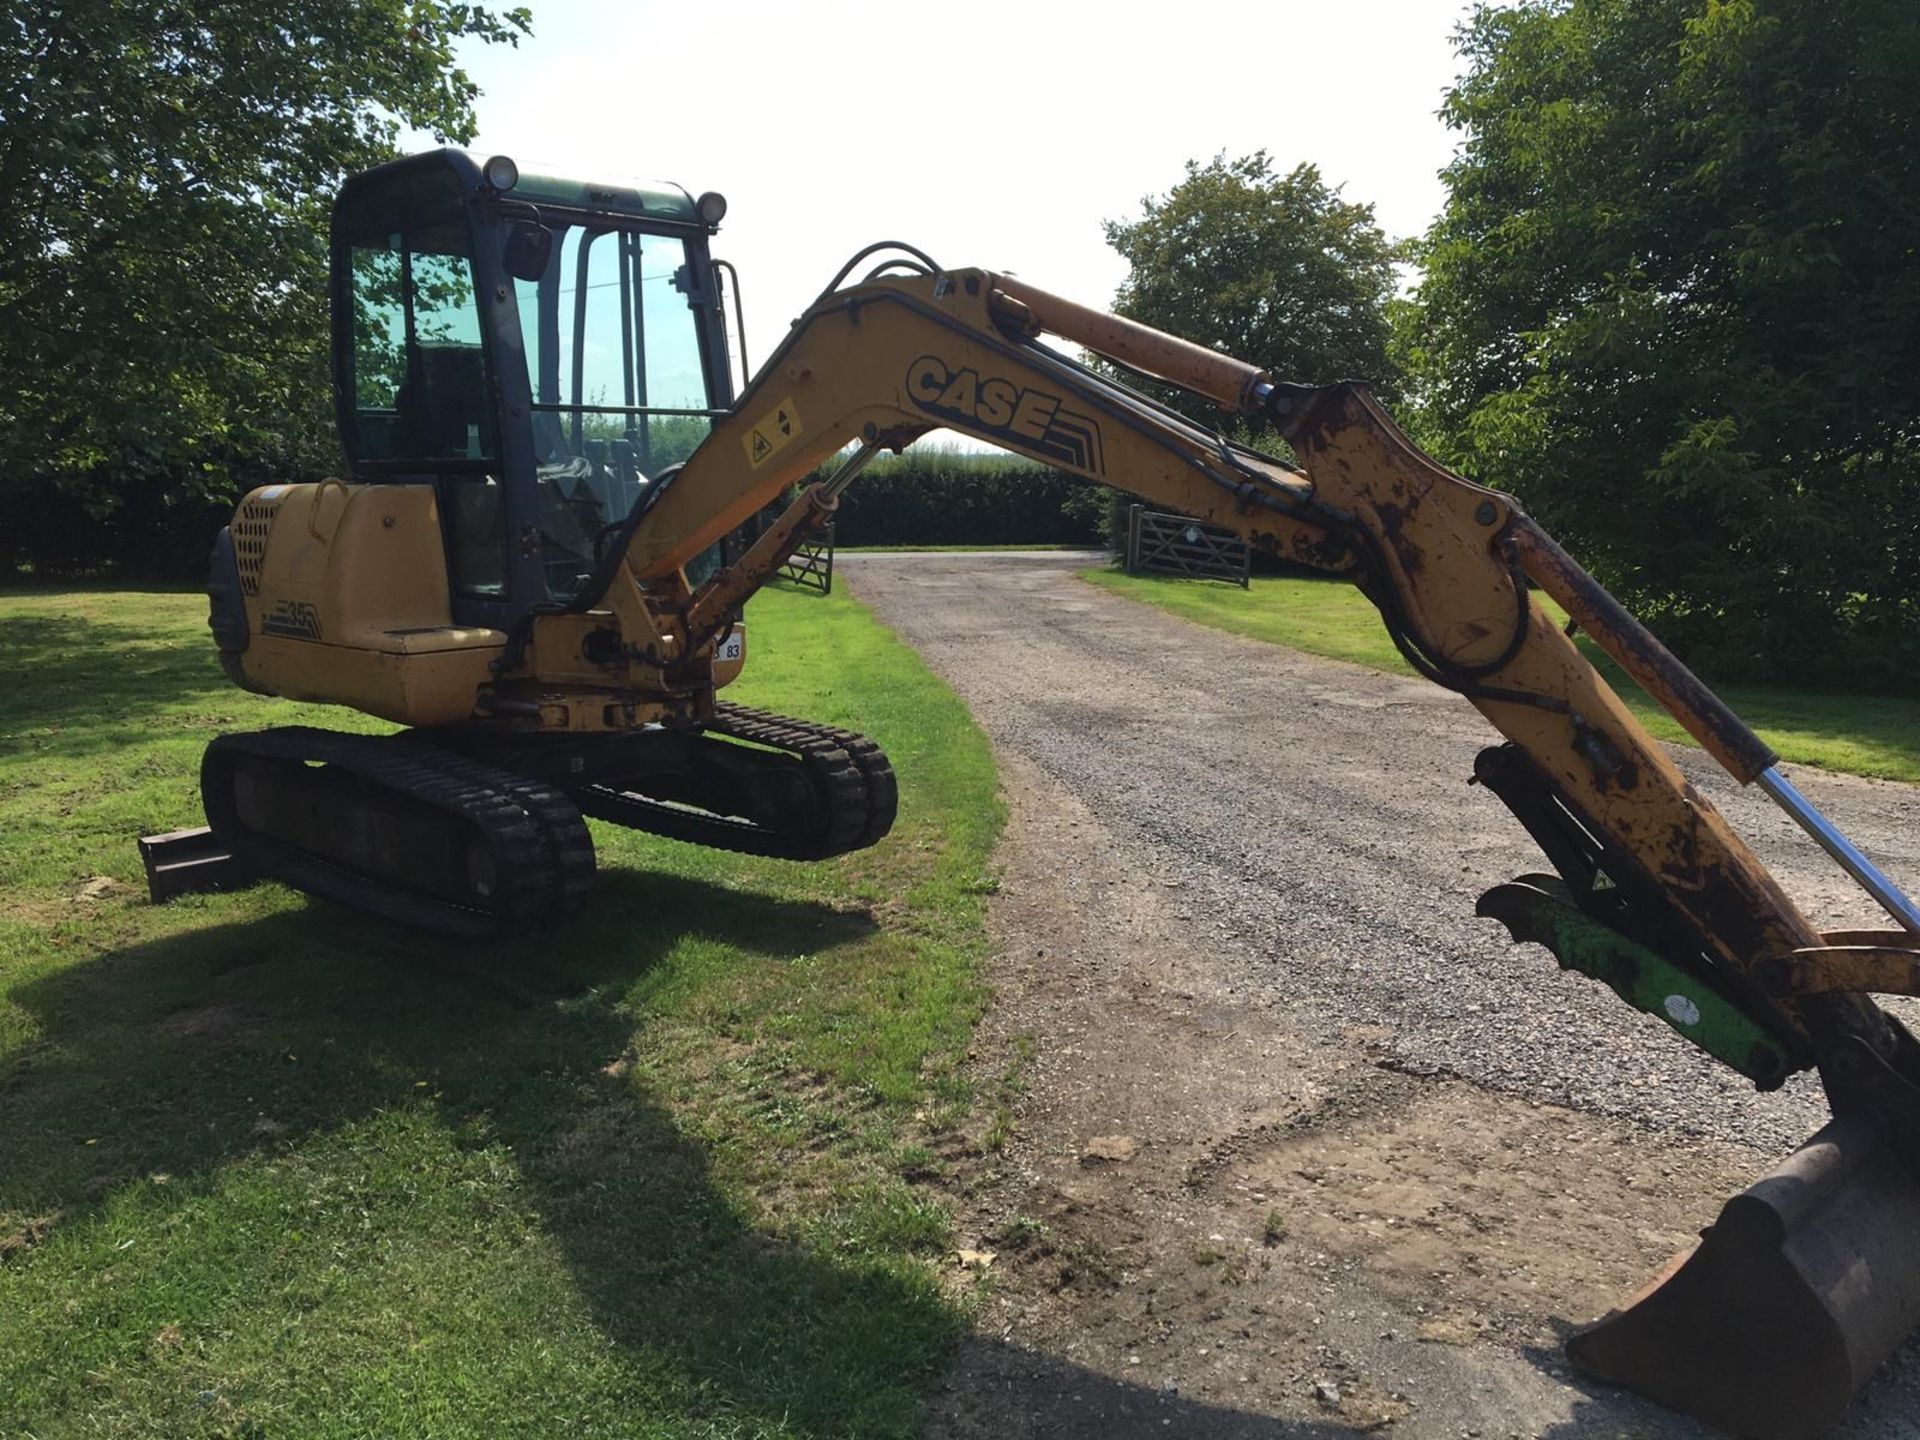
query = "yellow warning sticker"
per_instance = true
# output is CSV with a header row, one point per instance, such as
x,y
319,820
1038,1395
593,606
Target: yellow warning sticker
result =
x,y
772,433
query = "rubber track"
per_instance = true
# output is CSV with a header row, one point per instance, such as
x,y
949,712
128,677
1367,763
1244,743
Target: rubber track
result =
x,y
883,789
862,795
569,844
530,885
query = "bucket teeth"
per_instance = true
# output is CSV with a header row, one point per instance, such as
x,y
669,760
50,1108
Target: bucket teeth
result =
x,y
1792,1299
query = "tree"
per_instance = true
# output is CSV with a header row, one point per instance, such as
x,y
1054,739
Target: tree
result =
x,y
1674,302
1275,269
166,169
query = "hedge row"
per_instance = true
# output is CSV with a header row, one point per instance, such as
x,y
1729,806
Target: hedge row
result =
x,y
953,497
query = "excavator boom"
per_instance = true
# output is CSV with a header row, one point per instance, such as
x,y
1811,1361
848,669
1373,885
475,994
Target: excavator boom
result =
x,y
1452,566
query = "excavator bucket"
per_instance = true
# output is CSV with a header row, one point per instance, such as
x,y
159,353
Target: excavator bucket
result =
x,y
1791,1300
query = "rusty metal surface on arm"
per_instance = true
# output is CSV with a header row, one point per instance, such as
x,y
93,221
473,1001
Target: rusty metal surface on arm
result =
x,y
1861,969
1443,572
1706,717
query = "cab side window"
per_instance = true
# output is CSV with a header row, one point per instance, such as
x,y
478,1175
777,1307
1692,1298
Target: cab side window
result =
x,y
419,370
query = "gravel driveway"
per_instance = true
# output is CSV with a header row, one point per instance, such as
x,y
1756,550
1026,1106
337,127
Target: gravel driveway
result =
x,y
1238,911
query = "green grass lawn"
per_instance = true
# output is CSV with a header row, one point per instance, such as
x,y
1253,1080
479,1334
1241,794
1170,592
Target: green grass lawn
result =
x,y
1875,735
271,1169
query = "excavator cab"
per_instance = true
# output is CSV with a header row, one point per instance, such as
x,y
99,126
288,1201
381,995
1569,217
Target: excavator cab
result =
x,y
538,351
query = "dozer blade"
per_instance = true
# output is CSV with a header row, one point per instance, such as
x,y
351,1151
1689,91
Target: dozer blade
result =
x,y
1790,1301
190,862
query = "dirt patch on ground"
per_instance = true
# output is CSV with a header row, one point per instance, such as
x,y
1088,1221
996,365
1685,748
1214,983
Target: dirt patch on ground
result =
x,y
1204,1219
19,1236
49,911
1524,1216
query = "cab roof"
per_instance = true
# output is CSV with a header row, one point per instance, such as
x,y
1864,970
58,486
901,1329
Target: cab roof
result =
x,y
655,200
650,200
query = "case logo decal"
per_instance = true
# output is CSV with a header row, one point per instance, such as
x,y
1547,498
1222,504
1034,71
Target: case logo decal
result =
x,y
1030,419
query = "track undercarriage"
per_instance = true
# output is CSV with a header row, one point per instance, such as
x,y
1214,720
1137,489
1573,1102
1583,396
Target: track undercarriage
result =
x,y
476,835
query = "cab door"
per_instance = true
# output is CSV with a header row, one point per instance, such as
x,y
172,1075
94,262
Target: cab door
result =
x,y
624,382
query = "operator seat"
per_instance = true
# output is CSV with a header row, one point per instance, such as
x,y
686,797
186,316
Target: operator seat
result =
x,y
442,404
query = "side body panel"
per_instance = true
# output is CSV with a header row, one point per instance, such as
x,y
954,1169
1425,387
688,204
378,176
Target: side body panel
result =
x,y
345,590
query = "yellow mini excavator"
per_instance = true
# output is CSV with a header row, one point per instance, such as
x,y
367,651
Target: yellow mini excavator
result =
x,y
534,564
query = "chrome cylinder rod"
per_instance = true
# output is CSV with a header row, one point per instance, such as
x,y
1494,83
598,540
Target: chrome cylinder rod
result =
x,y
849,470
1840,848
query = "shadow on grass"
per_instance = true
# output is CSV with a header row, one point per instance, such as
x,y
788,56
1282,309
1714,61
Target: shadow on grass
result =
x,y
184,1055
104,681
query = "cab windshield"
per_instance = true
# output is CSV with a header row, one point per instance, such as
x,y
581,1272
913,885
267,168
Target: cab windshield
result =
x,y
618,379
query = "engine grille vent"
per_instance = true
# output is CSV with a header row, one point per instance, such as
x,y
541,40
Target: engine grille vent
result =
x,y
250,529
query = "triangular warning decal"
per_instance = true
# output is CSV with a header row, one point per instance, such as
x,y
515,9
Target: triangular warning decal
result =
x,y
772,432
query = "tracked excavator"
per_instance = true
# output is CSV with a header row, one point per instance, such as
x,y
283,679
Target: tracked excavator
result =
x,y
535,564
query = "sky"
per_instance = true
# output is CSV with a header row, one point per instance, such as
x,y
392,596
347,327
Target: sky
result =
x,y
994,134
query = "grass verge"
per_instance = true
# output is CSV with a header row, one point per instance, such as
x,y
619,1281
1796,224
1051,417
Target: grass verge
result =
x,y
1875,735
274,1169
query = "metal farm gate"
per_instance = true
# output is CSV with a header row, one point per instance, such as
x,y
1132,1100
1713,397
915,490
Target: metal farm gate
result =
x,y
811,566
1175,545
